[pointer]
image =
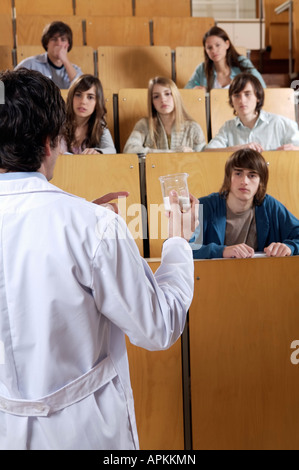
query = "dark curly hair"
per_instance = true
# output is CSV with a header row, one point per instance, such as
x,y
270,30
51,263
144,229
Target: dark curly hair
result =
x,y
34,110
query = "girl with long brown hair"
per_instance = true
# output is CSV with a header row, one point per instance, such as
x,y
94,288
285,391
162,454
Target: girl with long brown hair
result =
x,y
222,63
86,130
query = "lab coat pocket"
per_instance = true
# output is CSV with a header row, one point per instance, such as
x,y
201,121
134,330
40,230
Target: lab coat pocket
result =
x,y
113,415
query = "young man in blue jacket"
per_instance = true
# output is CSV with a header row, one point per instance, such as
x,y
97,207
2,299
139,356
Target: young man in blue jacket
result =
x,y
242,219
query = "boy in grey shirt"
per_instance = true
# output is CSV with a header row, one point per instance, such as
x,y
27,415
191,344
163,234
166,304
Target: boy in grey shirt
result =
x,y
57,40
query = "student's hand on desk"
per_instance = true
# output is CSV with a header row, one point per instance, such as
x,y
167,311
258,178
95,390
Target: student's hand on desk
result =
x,y
199,87
107,198
186,149
288,147
254,146
277,250
89,151
182,224
238,251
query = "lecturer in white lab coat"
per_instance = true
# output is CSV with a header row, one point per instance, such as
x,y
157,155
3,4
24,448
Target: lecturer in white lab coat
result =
x,y
72,284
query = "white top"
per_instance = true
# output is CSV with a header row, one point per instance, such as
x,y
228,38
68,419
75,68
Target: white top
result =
x,y
218,86
106,145
271,131
72,284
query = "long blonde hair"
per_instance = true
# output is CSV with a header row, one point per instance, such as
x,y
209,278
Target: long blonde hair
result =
x,y
180,113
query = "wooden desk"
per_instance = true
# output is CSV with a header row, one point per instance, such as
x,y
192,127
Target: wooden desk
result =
x,y
244,388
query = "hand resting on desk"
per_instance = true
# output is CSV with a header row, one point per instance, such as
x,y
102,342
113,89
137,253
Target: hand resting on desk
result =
x,y
244,251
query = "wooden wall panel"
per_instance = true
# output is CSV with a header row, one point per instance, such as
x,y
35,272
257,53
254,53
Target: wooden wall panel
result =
x,y
6,30
276,30
152,8
92,176
132,66
117,31
6,59
40,7
104,7
177,31
6,7
30,28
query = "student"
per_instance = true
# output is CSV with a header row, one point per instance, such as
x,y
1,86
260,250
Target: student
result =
x,y
222,63
253,127
168,127
73,284
57,40
242,219
85,130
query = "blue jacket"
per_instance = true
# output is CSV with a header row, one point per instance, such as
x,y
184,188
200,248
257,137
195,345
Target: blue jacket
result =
x,y
274,223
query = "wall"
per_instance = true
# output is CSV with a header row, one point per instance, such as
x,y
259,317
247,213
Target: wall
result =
x,y
247,9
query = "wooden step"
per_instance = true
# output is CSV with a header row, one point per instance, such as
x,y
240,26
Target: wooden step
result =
x,y
276,80
274,72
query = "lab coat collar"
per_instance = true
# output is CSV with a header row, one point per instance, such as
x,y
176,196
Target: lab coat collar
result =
x,y
16,183
16,175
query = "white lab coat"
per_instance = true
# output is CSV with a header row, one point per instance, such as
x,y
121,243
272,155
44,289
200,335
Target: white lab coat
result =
x,y
72,284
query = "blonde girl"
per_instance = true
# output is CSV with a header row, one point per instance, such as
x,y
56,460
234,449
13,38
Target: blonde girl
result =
x,y
168,127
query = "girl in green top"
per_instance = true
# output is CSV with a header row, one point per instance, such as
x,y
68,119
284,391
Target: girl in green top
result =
x,y
222,63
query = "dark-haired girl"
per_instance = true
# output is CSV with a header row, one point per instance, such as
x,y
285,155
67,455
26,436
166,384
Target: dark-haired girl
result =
x,y
86,130
222,63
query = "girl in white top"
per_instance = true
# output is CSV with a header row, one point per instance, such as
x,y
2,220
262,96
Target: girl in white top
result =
x,y
168,127
86,129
